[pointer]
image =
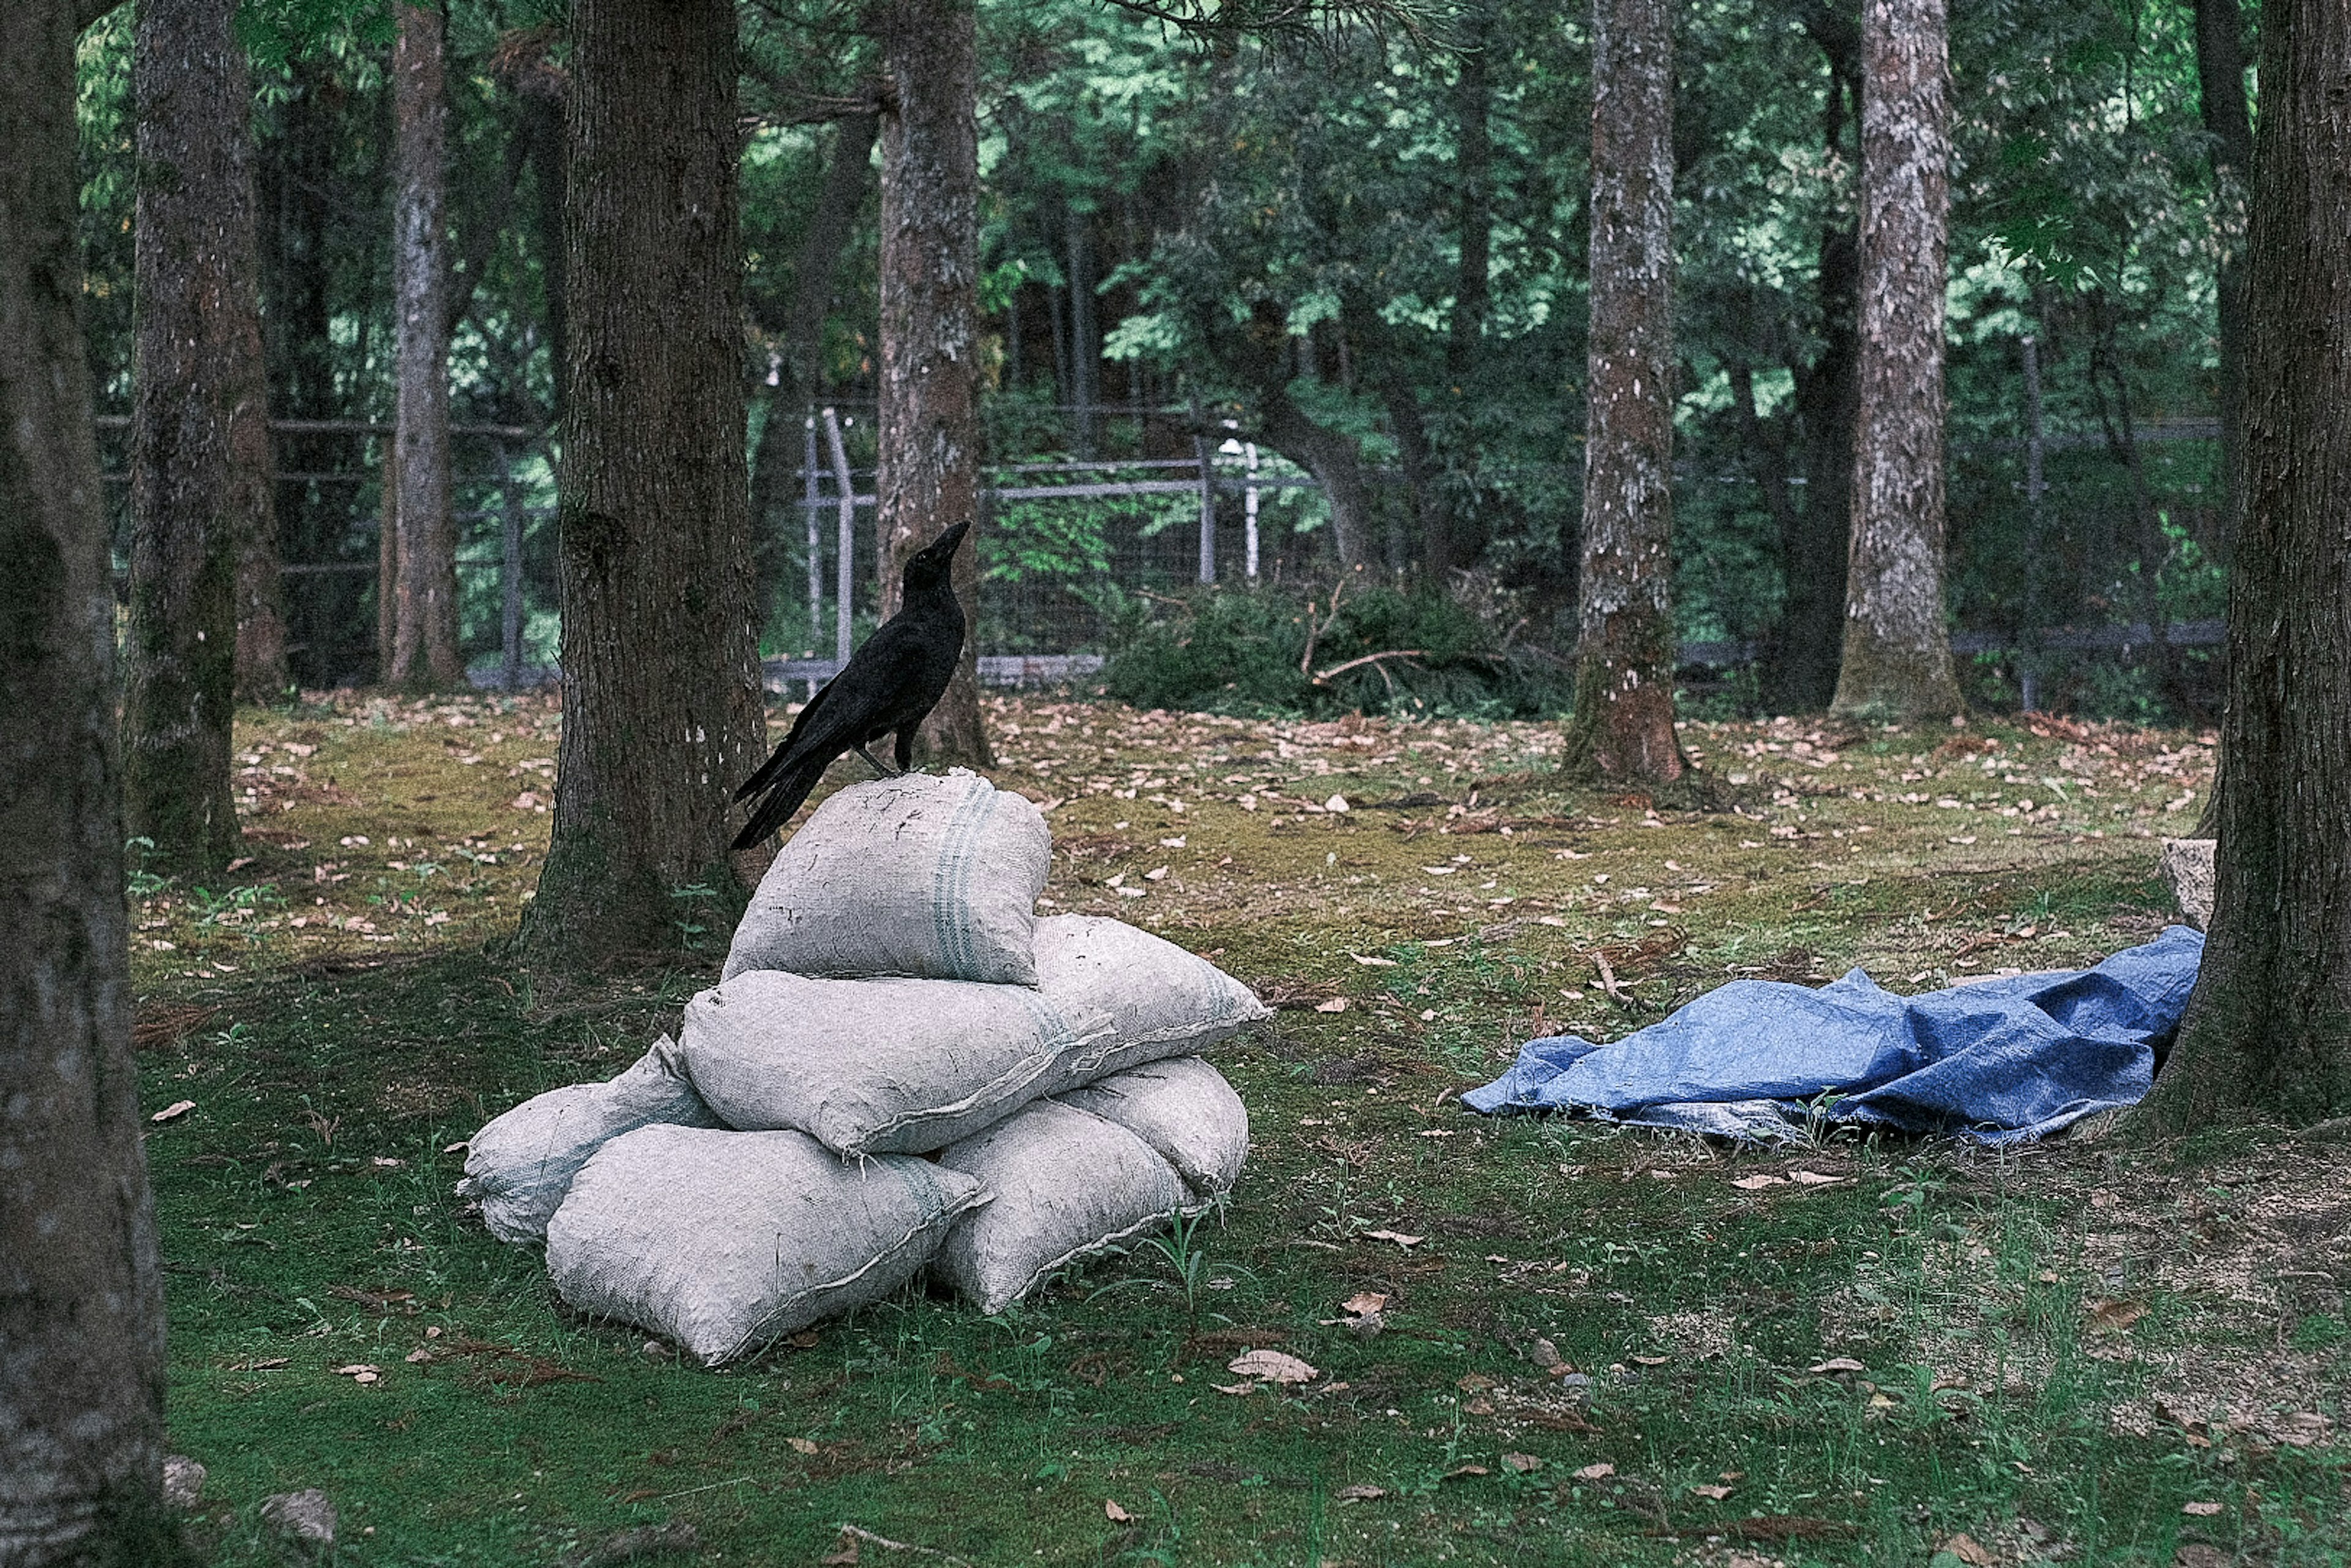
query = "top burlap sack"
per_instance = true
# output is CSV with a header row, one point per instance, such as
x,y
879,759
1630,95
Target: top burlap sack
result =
x,y
934,878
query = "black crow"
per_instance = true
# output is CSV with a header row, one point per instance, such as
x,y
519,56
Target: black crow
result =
x,y
892,683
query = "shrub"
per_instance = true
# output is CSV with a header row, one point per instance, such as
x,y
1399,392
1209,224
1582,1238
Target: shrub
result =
x,y
1246,651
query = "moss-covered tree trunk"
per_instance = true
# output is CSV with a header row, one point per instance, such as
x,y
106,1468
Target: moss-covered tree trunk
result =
x,y
1622,726
81,1304
1897,649
423,589
662,709
2268,1031
200,475
930,319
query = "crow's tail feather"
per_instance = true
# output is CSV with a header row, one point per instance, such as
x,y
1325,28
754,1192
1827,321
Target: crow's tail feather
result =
x,y
786,791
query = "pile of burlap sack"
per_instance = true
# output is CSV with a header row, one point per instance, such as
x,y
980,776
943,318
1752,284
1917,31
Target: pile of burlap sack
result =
x,y
902,1067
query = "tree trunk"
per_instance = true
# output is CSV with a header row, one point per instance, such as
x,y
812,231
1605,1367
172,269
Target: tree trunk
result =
x,y
550,160
661,706
2228,119
199,428
298,181
424,586
1897,647
81,1301
773,512
1801,676
1085,343
847,177
1333,458
1473,173
930,319
2268,1030
1622,726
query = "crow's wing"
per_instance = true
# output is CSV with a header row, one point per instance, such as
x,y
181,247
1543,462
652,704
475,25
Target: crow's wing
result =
x,y
856,705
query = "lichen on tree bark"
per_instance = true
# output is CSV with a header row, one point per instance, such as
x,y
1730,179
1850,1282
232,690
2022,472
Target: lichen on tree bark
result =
x,y
1898,648
661,708
930,319
81,1306
1623,725
423,587
200,485
2268,1029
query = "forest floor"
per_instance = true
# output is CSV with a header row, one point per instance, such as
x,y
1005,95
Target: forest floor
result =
x,y
1595,1345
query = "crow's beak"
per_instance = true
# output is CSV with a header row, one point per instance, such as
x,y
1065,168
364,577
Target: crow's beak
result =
x,y
945,545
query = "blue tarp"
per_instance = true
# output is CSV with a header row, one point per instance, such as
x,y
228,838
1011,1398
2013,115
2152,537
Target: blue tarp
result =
x,y
1997,1062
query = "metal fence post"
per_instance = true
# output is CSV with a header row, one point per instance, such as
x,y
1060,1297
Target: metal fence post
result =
x,y
1201,448
2028,673
1249,512
845,582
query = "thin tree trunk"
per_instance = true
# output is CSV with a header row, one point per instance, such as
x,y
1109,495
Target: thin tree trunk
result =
x,y
2268,1029
1473,173
1623,725
1800,661
1335,459
1897,647
425,587
297,175
847,175
662,706
551,158
930,320
81,1300
1085,348
2228,119
2121,431
197,420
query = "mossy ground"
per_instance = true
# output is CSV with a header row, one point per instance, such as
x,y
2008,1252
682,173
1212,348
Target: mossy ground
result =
x,y
1600,1349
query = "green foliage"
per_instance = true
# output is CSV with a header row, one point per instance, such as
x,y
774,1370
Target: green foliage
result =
x,y
1246,651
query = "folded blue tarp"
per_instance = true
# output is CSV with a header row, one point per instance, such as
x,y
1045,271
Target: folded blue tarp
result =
x,y
1997,1062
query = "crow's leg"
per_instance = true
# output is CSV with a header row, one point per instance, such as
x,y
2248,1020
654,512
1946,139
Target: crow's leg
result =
x,y
907,748
875,763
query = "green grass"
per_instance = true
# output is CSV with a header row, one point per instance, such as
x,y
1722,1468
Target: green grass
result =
x,y
2053,1343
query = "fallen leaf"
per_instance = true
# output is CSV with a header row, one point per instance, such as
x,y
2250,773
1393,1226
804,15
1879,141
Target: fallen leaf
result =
x,y
1970,1550
268,1363
1235,1388
1835,1364
1466,1470
1335,1004
360,1372
1115,1514
1705,1490
173,1112
843,1556
1271,1367
801,1444
1395,1235
1360,1492
1373,961
1473,1382
2109,1316
1337,803
1596,1473
1651,1360
1363,1303
1525,1464
1814,1178
1759,1182
417,1355
2199,1509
